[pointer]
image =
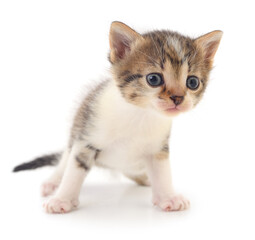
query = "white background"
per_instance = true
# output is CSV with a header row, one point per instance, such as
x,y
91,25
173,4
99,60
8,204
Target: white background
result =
x,y
50,49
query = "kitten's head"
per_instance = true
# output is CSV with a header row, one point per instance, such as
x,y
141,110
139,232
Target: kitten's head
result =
x,y
162,70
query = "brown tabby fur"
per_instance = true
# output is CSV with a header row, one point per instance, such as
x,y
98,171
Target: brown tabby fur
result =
x,y
165,52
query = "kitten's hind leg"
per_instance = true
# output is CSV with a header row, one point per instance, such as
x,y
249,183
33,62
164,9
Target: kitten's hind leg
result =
x,y
142,179
51,184
79,162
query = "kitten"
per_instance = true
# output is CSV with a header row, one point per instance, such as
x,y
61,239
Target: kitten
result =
x,y
125,122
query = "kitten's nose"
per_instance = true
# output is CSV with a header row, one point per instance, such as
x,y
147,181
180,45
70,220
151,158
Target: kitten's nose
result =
x,y
177,99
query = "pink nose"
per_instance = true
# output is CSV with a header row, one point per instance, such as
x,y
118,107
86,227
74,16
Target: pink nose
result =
x,y
177,99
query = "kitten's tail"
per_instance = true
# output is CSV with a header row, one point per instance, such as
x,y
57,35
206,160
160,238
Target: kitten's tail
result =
x,y
47,160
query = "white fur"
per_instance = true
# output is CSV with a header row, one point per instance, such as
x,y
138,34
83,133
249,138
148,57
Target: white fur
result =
x,y
127,132
129,137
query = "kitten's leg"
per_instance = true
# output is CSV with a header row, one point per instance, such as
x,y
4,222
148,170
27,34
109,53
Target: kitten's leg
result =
x,y
79,163
161,181
50,185
142,180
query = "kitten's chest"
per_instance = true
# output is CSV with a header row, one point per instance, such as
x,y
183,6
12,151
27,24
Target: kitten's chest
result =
x,y
132,129
127,140
125,133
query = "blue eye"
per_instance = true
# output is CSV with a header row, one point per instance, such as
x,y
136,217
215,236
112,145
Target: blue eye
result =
x,y
154,79
192,82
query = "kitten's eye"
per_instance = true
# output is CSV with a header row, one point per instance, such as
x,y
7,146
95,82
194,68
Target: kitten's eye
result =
x,y
192,82
154,79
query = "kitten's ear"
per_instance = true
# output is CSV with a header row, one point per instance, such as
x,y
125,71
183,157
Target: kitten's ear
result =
x,y
121,38
209,44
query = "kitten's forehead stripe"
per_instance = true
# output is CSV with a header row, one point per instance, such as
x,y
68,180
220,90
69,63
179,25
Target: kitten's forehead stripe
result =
x,y
170,46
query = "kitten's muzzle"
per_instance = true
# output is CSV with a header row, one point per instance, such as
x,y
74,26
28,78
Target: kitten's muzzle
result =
x,y
177,99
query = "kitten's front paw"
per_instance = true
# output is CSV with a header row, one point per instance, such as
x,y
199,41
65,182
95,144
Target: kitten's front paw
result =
x,y
172,203
56,205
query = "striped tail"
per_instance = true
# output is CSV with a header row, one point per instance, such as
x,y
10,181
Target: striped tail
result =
x,y
47,160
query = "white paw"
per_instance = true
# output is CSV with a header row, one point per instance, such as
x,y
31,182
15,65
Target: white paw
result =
x,y
55,205
172,203
48,188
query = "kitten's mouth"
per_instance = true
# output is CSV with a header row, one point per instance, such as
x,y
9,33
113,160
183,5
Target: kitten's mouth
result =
x,y
172,110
